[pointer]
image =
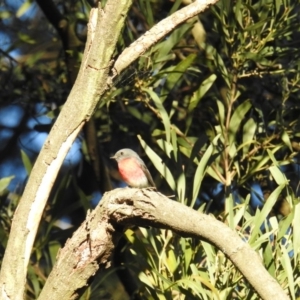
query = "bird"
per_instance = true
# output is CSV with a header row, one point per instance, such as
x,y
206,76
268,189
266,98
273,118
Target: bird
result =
x,y
132,169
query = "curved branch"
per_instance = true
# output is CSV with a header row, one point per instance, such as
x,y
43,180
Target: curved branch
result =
x,y
157,32
92,244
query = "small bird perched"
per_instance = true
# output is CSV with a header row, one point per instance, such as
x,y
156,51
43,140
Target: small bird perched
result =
x,y
132,169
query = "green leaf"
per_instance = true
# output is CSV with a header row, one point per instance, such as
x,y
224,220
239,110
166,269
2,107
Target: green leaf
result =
x,y
4,183
285,225
174,144
29,40
220,63
241,209
163,49
146,280
181,186
214,174
5,14
296,229
54,247
268,254
237,118
159,165
175,6
211,257
171,261
188,254
145,118
286,139
257,26
278,176
248,134
201,91
175,74
238,12
163,113
259,165
221,111
165,58
23,8
26,162
229,204
165,146
34,279
261,240
201,170
263,214
278,5
148,13
286,263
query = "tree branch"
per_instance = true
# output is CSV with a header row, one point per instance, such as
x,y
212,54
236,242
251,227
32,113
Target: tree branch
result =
x,y
92,244
157,32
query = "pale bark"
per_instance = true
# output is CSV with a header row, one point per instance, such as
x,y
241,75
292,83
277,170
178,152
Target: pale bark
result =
x,y
92,244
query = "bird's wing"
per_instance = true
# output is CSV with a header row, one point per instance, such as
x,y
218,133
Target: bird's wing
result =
x,y
149,177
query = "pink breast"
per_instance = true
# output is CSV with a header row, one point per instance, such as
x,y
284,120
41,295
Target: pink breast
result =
x,y
132,173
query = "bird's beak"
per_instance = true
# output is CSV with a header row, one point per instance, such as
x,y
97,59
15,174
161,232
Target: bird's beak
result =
x,y
113,157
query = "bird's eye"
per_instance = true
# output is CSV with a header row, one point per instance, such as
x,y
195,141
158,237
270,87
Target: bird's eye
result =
x,y
121,153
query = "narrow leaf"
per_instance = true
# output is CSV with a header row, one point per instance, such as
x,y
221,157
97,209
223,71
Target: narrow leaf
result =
x,y
159,165
201,91
237,118
163,113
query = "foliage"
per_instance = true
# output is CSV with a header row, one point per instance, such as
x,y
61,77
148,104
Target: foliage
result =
x,y
215,107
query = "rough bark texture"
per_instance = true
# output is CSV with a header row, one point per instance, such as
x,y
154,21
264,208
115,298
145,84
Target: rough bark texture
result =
x,y
88,250
92,244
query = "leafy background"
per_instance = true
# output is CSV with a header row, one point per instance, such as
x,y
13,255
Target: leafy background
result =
x,y
212,109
